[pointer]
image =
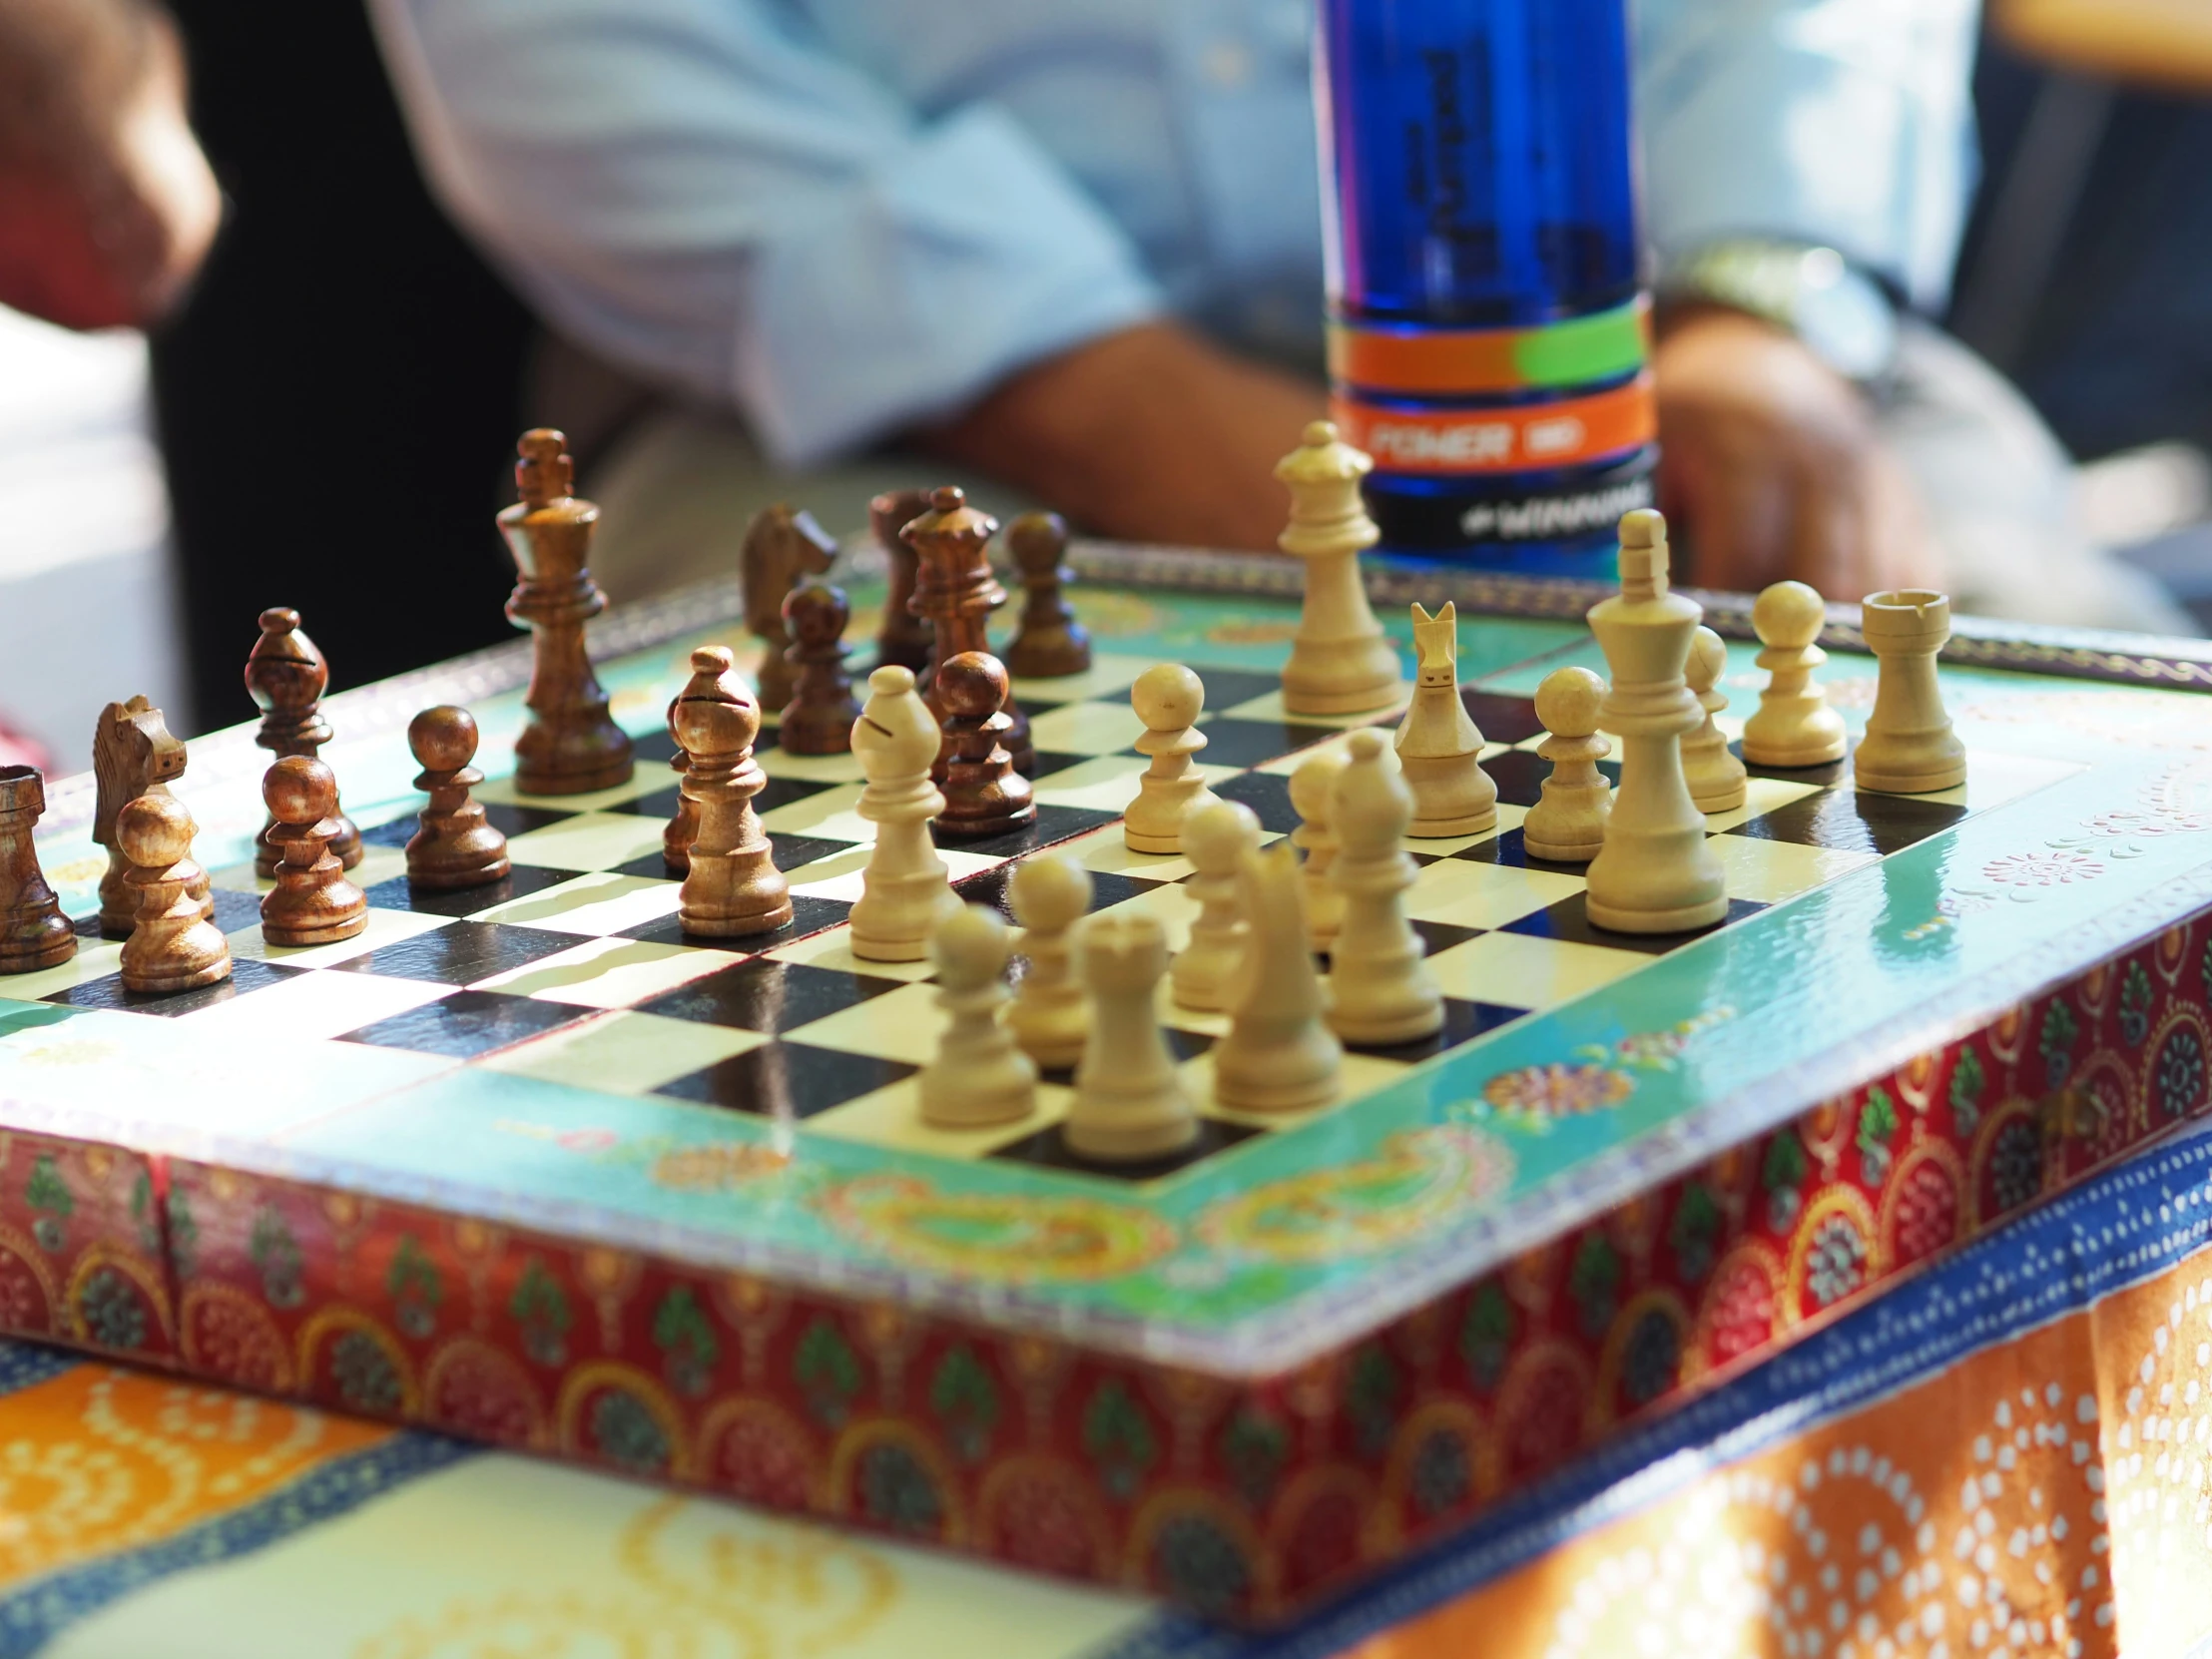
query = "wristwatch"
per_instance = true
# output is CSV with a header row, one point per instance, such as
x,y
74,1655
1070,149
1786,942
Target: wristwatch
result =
x,y
1843,316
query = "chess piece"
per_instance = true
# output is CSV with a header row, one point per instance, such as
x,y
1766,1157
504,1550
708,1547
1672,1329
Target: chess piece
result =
x,y
287,678
312,901
569,746
956,590
904,892
1437,741
979,1077
1341,661
172,947
1793,725
780,547
1655,874
1568,824
1215,840
1130,1103
1048,641
682,827
1312,789
455,846
1380,992
732,888
905,639
1279,1055
133,753
983,795
1909,747
33,931
1716,777
1050,893
1168,697
818,717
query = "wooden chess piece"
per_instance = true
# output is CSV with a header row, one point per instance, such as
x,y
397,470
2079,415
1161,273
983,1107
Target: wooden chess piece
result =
x,y
979,1077
732,888
956,590
1715,775
780,547
682,827
1568,824
906,638
1655,874
33,931
1048,641
1130,1103
1438,742
905,891
1168,697
457,847
1793,725
133,753
1909,747
1380,991
570,746
1050,893
286,677
1312,795
983,795
312,901
1215,840
1279,1055
817,718
172,947
1341,661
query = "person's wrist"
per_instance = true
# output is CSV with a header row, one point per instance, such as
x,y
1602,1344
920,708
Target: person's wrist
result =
x,y
1839,312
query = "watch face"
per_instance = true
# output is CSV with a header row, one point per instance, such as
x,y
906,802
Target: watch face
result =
x,y
1842,316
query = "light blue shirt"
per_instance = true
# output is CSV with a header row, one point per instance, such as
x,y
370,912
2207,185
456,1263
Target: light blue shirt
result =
x,y
841,216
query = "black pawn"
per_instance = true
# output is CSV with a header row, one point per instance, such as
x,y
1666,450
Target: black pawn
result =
x,y
818,718
983,794
455,846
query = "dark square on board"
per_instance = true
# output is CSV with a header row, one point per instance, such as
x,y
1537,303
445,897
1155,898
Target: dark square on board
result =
x,y
991,887
521,881
1254,743
1510,851
777,792
466,1024
461,953
1502,718
791,853
1045,763
511,821
808,915
656,744
1834,772
1464,1023
1226,688
247,974
784,1079
234,910
1852,821
759,995
1048,1149
1570,919
1052,823
1268,793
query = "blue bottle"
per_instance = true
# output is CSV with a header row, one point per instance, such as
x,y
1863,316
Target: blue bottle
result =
x,y
1489,329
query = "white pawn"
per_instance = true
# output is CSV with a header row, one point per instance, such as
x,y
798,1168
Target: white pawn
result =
x,y
904,892
1909,747
1381,993
1130,1103
979,1077
1715,775
1568,824
1050,1019
1215,840
1168,697
1437,741
1793,725
1279,1055
1313,787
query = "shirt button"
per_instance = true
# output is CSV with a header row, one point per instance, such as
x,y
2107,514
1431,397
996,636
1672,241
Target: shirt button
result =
x,y
1227,63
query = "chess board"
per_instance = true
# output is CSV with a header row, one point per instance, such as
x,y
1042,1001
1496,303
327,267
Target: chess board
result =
x,y
527,1162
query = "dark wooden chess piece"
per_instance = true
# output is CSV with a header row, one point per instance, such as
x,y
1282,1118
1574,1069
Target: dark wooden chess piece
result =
x,y
312,902
133,753
683,825
957,592
780,547
33,931
570,746
818,718
1048,642
734,888
172,947
287,675
983,795
906,638
457,847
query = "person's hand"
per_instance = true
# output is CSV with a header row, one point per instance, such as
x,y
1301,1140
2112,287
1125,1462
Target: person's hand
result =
x,y
1770,465
1150,434
106,205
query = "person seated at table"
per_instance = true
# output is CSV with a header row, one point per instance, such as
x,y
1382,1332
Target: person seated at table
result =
x,y
1074,250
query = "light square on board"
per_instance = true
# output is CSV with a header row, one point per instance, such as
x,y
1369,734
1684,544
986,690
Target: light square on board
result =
x,y
624,1052
1106,851
1773,871
1108,676
246,978
609,972
1268,706
308,1005
1519,970
892,1117
588,842
840,875
384,928
830,815
832,949
1761,796
1086,729
813,769
95,959
1109,783
501,791
1463,893
598,903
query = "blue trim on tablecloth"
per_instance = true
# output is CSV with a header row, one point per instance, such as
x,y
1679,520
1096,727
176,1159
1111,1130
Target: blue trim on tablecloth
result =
x,y
27,1365
2128,1225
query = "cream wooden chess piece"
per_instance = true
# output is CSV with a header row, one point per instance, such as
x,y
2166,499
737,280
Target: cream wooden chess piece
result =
x,y
1215,840
1312,788
979,1077
1050,893
1130,1103
1655,873
1909,747
1341,661
1715,775
1437,741
1568,824
904,892
1793,725
1168,697
1381,993
1279,1055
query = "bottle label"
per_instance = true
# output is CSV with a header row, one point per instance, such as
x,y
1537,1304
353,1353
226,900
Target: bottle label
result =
x,y
1420,360
1565,512
1567,431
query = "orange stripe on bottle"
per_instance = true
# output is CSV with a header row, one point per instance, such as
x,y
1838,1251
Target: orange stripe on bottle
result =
x,y
1564,433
